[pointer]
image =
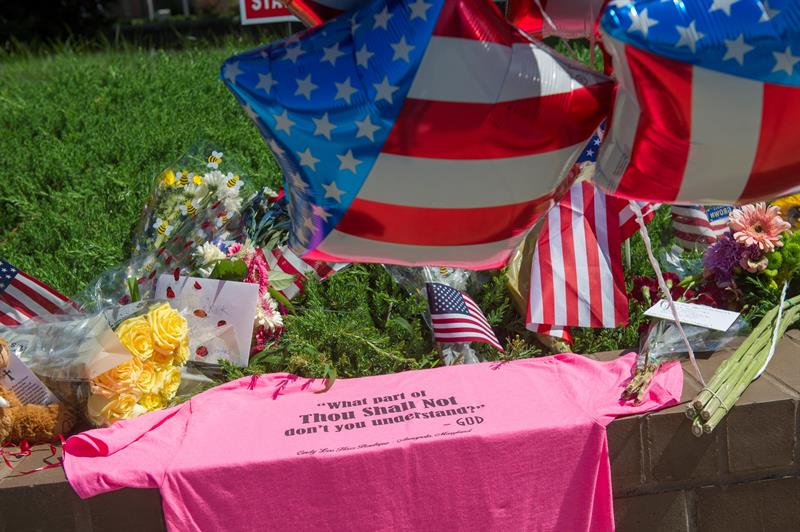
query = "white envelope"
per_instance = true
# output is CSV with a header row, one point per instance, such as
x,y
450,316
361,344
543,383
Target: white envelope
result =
x,y
220,316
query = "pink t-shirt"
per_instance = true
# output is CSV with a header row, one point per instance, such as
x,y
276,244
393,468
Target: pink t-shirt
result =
x,y
495,446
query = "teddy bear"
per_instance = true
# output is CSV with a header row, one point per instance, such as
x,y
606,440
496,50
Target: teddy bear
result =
x,y
34,423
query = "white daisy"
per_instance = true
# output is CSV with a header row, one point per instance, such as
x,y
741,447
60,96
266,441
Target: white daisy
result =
x,y
215,179
267,313
232,203
208,253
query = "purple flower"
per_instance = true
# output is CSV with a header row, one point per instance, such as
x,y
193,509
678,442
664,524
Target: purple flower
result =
x,y
722,258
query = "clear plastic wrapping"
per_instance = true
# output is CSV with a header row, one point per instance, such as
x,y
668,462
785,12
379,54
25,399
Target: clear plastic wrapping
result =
x,y
114,364
193,197
663,341
198,199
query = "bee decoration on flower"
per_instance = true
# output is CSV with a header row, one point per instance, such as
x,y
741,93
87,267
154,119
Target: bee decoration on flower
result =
x,y
162,227
234,182
183,178
190,207
214,159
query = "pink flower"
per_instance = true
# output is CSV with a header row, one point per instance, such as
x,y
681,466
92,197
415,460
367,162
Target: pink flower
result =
x,y
758,225
258,271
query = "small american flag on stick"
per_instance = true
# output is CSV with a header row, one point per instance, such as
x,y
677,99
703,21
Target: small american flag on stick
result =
x,y
457,318
23,298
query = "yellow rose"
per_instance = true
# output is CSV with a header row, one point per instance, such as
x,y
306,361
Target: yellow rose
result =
x,y
168,326
172,379
148,380
137,337
182,354
122,378
151,401
162,360
106,410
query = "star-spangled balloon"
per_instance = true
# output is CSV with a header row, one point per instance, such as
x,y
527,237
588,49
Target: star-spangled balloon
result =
x,y
423,132
708,100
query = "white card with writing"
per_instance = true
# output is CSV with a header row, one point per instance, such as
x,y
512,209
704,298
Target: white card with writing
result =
x,y
702,315
220,315
21,380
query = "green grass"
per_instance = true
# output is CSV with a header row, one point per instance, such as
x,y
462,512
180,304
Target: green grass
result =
x,y
85,132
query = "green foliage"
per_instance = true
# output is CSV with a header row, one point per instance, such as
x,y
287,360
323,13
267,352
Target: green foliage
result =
x,y
761,297
85,134
229,270
783,262
361,322
358,322
495,301
279,280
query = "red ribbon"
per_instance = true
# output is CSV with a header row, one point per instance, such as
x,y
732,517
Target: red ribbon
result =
x,y
25,450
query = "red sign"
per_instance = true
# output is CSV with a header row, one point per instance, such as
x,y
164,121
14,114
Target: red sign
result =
x,y
263,12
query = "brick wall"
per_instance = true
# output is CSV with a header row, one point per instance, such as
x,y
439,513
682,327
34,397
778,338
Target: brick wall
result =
x,y
744,476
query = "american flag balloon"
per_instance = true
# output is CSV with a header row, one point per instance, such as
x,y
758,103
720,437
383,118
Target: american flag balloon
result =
x,y
418,133
569,19
315,12
708,100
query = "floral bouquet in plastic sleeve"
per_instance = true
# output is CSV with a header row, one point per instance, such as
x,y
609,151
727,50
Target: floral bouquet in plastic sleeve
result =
x,y
197,200
195,197
158,341
112,365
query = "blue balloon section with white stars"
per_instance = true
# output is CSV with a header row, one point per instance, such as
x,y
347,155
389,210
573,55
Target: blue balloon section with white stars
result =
x,y
753,39
326,99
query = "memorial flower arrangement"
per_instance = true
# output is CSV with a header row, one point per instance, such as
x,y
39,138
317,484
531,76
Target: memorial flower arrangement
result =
x,y
245,262
201,192
746,268
159,344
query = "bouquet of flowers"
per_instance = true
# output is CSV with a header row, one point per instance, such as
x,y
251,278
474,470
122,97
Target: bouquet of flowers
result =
x,y
158,341
198,199
660,339
261,257
247,263
117,364
746,268
203,186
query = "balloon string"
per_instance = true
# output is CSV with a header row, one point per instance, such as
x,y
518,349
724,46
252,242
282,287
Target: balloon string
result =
x,y
545,16
663,286
592,35
774,331
24,451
